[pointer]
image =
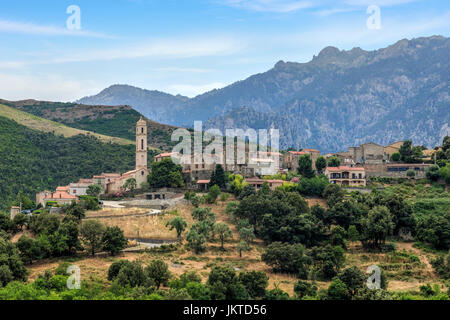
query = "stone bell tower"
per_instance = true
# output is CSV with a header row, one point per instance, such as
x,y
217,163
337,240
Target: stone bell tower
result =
x,y
141,144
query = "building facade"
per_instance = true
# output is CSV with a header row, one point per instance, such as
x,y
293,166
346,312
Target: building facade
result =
x,y
346,176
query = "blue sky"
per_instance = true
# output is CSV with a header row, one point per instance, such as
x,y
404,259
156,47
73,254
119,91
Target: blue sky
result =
x,y
186,47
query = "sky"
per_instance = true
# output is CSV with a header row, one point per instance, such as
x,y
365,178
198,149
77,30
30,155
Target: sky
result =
x,y
187,47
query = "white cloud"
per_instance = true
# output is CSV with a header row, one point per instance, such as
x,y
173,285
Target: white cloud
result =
x,y
184,70
386,3
347,36
193,90
171,48
43,87
328,12
44,30
281,6
159,48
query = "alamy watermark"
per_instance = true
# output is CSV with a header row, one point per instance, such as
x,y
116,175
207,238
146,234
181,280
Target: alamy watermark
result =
x,y
74,280
74,20
374,281
234,147
374,20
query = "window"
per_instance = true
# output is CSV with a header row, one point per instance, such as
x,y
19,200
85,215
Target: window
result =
x,y
142,130
142,144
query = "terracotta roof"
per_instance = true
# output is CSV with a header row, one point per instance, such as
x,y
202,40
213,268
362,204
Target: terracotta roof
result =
x,y
297,153
203,181
61,195
311,150
345,168
165,155
62,189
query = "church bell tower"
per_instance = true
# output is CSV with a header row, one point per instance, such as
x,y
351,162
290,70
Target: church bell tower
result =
x,y
141,144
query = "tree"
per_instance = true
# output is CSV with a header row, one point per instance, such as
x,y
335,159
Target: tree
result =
x,y
255,283
334,194
225,285
132,274
20,220
76,210
91,233
377,226
165,173
130,184
196,240
6,275
327,260
23,201
338,236
69,228
432,173
242,246
10,258
352,233
354,279
218,177
115,267
158,272
321,164
213,194
5,222
410,154
247,234
29,249
303,288
285,257
114,240
337,290
334,162
305,166
444,173
396,157
179,224
247,191
224,232
94,190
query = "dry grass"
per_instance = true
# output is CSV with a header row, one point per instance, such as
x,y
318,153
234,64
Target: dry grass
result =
x,y
183,260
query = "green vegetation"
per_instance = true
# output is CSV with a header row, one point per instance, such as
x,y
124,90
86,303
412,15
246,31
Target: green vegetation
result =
x,y
165,174
33,161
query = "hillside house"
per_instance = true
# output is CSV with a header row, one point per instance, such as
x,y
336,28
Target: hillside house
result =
x,y
346,176
290,160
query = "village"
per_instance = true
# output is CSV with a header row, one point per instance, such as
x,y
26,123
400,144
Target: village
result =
x,y
353,168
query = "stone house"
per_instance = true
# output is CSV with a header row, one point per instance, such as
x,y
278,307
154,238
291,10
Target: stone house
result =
x,y
61,196
346,176
290,160
370,153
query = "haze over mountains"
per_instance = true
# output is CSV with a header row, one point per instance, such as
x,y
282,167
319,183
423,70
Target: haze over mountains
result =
x,y
338,99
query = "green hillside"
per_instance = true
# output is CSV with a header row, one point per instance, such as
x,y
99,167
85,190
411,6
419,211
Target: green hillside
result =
x,y
31,160
113,121
37,123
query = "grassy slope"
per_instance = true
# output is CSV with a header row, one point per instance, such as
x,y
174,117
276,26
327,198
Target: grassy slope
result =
x,y
44,125
114,121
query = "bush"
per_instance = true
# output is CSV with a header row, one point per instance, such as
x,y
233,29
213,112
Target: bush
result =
x,y
304,288
284,257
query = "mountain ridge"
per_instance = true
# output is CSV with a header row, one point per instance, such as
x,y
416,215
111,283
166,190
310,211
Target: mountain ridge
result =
x,y
338,99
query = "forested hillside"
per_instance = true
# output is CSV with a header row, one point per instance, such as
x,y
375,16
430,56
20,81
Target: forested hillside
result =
x,y
31,160
114,121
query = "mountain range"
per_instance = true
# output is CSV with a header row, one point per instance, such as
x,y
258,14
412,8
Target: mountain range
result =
x,y
337,100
